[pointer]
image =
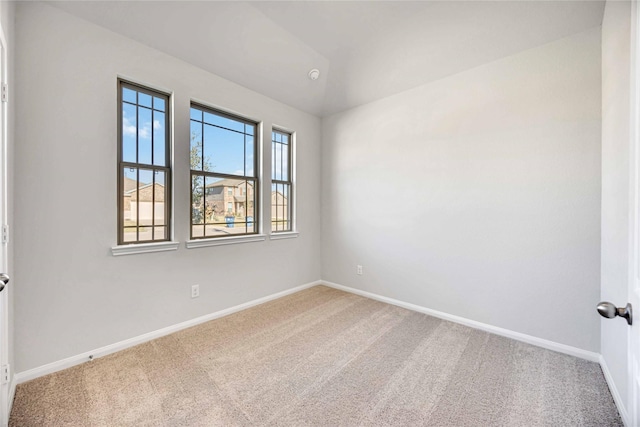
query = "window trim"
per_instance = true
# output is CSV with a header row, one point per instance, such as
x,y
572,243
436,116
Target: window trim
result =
x,y
291,203
256,235
168,169
281,235
143,248
224,240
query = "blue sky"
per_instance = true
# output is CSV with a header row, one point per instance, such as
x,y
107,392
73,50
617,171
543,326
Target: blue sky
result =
x,y
145,124
228,151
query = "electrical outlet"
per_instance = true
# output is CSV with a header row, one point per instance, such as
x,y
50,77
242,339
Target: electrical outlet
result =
x,y
359,270
195,291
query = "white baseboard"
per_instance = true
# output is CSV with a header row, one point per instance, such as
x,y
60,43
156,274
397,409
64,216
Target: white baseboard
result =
x,y
529,339
30,374
614,392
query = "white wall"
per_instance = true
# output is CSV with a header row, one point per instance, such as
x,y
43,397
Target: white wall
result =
x,y
477,195
72,294
616,48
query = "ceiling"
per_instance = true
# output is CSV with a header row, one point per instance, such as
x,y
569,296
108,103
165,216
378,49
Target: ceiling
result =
x,y
364,50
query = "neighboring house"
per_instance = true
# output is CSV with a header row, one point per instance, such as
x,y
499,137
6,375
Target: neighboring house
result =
x,y
229,196
141,203
279,207
129,185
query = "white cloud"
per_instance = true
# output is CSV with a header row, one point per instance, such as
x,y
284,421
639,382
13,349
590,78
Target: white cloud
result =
x,y
144,132
129,129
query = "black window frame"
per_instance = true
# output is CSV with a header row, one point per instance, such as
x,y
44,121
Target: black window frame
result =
x,y
288,182
167,169
255,178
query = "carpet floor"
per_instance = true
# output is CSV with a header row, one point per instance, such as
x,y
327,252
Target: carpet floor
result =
x,y
328,358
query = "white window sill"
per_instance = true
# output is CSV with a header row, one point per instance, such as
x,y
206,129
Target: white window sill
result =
x,y
283,235
203,243
144,248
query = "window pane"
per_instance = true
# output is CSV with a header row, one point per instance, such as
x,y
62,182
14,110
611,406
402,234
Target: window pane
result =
x,y
197,200
129,95
250,196
232,204
197,231
143,197
145,233
196,114
160,193
249,159
196,147
280,204
280,207
225,150
285,162
216,195
273,160
129,132
159,133
144,136
221,230
158,103
143,204
129,189
275,201
277,167
144,99
286,224
130,234
159,233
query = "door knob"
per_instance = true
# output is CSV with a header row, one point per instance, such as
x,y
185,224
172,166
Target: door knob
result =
x,y
4,279
608,310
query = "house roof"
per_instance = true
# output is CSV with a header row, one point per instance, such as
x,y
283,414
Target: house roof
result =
x,y
228,183
142,187
129,184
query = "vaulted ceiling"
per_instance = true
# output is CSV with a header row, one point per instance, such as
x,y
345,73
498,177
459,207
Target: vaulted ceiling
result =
x,y
364,50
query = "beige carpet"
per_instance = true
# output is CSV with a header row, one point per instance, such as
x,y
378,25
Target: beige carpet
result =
x,y
323,357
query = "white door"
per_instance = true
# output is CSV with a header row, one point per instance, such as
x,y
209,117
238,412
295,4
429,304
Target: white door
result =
x,y
4,305
4,278
4,318
633,405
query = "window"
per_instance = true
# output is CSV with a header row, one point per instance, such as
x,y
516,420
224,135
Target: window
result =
x,y
144,172
281,182
224,181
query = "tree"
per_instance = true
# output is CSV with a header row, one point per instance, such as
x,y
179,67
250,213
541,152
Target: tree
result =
x,y
198,162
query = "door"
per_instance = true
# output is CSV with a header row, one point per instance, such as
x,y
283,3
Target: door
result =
x,y
633,337
4,299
